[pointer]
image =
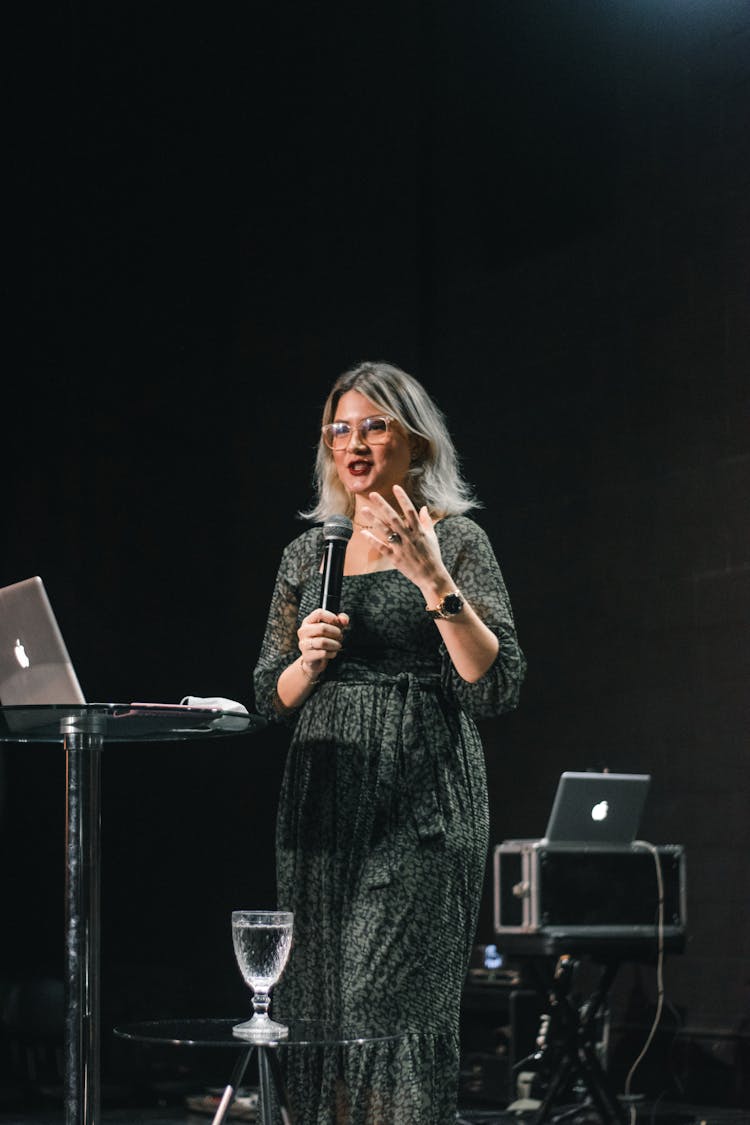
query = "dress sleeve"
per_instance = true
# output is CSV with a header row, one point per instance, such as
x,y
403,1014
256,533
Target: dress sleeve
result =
x,y
471,560
279,646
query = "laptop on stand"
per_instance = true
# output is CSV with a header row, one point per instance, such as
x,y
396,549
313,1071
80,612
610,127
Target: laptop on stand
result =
x,y
597,808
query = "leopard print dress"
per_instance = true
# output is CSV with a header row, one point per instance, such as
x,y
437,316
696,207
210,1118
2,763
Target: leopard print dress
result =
x,y
382,832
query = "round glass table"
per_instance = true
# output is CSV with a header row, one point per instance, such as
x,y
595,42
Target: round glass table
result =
x,y
83,731
219,1033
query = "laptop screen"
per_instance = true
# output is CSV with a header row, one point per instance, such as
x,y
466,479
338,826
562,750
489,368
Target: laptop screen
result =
x,y
35,667
597,808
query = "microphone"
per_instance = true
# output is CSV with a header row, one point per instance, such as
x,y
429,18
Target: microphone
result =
x,y
337,531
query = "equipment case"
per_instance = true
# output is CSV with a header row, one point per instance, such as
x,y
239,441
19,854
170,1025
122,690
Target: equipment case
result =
x,y
589,890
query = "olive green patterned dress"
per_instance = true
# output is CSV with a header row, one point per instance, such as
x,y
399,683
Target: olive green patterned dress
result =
x,y
382,830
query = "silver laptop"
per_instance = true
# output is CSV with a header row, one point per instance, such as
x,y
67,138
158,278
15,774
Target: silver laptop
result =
x,y
35,667
597,808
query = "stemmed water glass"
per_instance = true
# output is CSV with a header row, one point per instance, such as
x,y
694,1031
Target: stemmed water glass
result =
x,y
262,941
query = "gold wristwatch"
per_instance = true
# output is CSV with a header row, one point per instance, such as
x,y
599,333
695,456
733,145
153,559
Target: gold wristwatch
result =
x,y
448,606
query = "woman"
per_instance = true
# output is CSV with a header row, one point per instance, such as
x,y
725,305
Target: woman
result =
x,y
382,831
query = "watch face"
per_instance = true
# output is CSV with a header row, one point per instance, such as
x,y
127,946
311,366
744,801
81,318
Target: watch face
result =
x,y
452,603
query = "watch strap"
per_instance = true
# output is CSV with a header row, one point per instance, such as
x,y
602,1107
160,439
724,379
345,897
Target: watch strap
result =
x,y
449,605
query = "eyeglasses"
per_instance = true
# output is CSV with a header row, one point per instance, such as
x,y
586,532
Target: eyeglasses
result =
x,y
373,431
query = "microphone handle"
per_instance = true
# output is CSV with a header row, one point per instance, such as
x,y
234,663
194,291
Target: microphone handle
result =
x,y
333,573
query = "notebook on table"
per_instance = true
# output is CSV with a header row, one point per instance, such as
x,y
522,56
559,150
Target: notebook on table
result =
x,y
597,808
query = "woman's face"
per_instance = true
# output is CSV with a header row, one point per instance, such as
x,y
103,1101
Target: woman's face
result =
x,y
367,466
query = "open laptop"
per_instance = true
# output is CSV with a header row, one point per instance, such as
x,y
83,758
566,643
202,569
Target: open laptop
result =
x,y
597,808
35,667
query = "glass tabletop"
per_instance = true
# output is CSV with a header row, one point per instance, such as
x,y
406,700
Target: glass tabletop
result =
x,y
122,722
218,1033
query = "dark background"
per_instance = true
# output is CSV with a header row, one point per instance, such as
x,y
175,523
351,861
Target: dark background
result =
x,y
539,208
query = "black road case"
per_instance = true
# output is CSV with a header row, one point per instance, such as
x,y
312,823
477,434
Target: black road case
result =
x,y
589,890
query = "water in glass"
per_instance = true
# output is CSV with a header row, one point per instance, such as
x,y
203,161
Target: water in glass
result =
x,y
262,943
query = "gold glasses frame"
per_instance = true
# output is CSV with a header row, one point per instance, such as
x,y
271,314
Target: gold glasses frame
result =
x,y
337,435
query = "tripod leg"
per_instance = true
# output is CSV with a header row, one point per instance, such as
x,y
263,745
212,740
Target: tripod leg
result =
x,y
597,1084
556,1040
228,1096
589,1067
558,1081
266,1107
278,1081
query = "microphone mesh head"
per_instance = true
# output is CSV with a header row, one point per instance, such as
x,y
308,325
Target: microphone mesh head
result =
x,y
338,527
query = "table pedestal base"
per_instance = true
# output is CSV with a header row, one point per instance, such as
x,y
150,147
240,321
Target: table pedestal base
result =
x,y
269,1070
83,749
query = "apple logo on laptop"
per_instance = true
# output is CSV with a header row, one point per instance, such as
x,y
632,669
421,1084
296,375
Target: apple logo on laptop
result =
x,y
600,810
20,654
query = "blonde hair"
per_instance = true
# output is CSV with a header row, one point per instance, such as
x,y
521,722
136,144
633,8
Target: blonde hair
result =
x,y
434,477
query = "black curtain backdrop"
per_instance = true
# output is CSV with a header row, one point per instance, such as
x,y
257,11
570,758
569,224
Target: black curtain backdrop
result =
x,y
539,208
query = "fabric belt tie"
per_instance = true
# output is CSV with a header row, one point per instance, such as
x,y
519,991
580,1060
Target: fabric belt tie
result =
x,y
404,739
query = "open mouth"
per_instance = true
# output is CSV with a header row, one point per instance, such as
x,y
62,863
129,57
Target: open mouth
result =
x,y
358,468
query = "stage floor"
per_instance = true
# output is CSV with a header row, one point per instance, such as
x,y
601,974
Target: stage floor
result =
x,y
662,1114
